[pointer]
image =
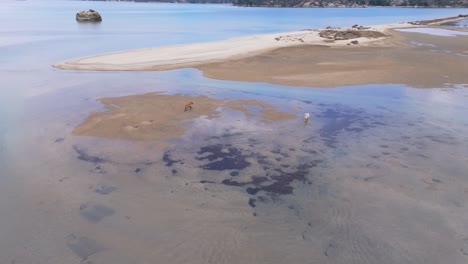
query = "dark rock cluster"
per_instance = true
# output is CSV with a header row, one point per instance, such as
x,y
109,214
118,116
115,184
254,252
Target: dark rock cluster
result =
x,y
88,16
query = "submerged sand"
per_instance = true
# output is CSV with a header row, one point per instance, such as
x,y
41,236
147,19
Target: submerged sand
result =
x,y
155,117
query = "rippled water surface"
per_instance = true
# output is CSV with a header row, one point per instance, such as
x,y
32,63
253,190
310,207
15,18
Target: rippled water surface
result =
x,y
378,175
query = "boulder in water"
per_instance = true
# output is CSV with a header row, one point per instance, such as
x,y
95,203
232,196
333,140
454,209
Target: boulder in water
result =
x,y
88,16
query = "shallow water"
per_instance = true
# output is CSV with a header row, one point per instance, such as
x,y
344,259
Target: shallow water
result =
x,y
459,23
435,31
363,181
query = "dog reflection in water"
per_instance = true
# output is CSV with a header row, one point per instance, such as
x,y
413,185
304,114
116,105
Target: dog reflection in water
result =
x,y
188,106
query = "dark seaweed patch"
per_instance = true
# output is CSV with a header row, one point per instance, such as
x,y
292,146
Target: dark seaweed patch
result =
x,y
252,191
82,155
252,140
252,202
354,129
234,183
277,181
341,119
203,181
223,157
104,189
226,134
283,180
336,122
174,171
444,139
256,180
83,247
95,213
378,123
277,150
278,187
369,178
168,160
280,182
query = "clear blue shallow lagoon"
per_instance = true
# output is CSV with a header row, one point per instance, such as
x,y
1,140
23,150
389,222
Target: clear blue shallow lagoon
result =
x,y
379,174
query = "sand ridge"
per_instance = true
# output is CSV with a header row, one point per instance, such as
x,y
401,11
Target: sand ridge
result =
x,y
189,55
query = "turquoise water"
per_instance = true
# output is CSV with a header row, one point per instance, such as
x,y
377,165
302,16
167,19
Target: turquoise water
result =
x,y
376,167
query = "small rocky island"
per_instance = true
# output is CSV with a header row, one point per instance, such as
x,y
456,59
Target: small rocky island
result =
x,y
88,16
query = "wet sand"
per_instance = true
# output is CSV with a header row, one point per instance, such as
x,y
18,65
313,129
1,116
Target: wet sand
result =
x,y
158,117
417,60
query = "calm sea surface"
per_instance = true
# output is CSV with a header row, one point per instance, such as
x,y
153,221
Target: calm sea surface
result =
x,y
379,175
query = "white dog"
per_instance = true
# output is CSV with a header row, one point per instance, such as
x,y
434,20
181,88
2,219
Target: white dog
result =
x,y
306,117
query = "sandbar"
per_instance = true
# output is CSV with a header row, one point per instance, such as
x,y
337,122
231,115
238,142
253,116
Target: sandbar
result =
x,y
189,55
158,117
328,57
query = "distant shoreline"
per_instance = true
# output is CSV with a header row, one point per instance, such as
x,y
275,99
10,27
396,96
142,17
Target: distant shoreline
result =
x,y
302,4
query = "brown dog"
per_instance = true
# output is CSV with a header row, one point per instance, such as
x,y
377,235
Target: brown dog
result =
x,y
188,106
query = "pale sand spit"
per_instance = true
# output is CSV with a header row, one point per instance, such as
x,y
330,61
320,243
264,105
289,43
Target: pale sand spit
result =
x,y
189,55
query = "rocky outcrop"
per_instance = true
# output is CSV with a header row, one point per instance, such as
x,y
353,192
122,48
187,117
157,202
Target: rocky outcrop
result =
x,y
338,34
88,16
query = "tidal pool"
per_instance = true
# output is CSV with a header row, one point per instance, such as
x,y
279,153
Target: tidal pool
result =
x,y
332,189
